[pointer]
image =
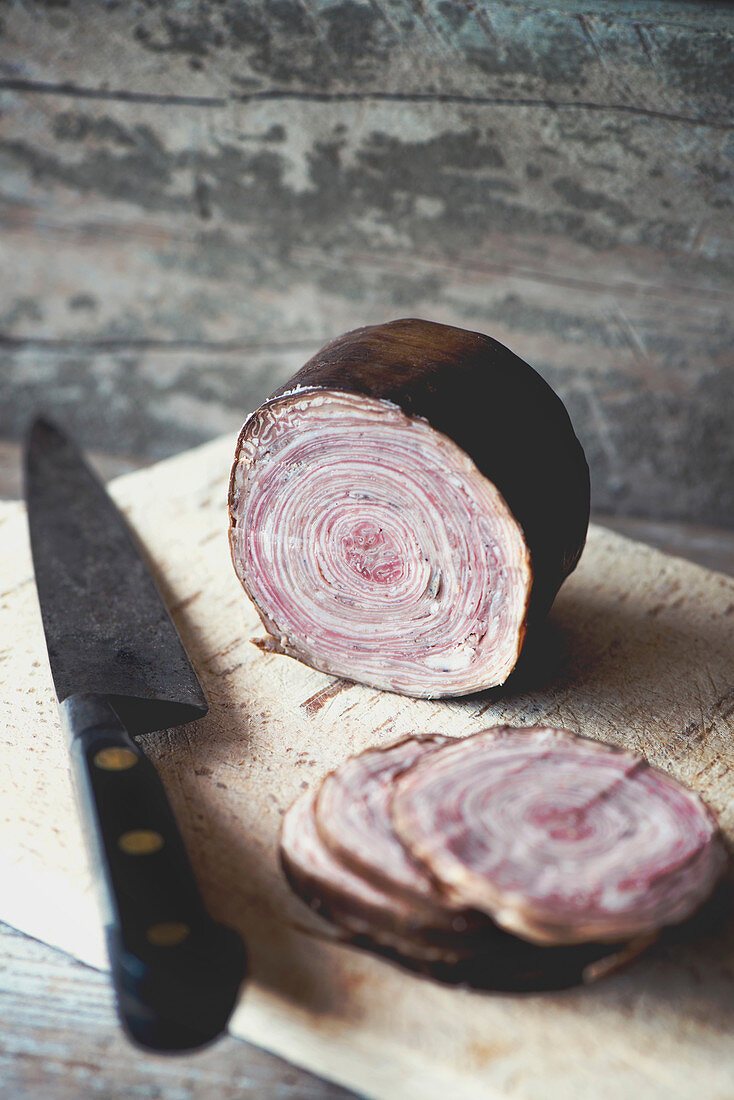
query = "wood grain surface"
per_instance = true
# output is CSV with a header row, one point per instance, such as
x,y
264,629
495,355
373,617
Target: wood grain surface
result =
x,y
196,195
639,653
59,1034
60,1040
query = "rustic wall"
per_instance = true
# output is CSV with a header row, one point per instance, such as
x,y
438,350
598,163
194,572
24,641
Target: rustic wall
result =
x,y
194,196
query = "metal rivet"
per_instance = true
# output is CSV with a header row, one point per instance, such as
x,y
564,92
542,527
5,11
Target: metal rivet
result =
x,y
140,842
115,760
167,934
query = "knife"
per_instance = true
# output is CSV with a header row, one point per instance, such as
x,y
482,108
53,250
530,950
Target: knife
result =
x,y
120,670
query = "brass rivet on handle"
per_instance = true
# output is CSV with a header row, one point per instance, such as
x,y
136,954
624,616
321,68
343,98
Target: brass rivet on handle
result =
x,y
115,760
168,933
140,842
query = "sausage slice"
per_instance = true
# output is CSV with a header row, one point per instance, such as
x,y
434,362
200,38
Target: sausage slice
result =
x,y
353,819
560,839
363,911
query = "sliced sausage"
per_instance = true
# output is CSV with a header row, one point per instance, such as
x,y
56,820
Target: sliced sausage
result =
x,y
558,838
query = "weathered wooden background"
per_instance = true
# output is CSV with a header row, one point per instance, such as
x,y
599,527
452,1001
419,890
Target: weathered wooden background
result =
x,y
195,195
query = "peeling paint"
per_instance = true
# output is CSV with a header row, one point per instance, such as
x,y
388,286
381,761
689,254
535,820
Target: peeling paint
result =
x,y
193,197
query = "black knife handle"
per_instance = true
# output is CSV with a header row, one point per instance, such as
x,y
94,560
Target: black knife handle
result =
x,y
175,970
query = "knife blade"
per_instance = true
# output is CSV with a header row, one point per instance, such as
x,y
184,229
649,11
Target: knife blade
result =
x,y
120,669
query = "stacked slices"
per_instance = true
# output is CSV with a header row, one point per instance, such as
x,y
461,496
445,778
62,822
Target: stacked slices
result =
x,y
511,859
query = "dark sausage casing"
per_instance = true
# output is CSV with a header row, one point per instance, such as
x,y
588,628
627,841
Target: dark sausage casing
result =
x,y
406,506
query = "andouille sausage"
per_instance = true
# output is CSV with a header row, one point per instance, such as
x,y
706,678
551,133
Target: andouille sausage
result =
x,y
407,506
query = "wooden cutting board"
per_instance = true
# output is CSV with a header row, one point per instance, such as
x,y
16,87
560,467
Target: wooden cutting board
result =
x,y
639,652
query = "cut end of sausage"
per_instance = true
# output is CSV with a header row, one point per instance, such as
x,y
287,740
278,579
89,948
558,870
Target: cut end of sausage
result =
x,y
374,548
562,840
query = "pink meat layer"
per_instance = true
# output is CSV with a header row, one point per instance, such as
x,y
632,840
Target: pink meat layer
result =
x,y
374,548
353,819
558,838
345,896
358,906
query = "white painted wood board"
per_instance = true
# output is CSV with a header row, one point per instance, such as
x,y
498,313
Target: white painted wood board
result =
x,y
640,652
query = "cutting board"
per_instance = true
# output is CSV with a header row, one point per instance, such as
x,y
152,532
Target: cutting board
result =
x,y
639,651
